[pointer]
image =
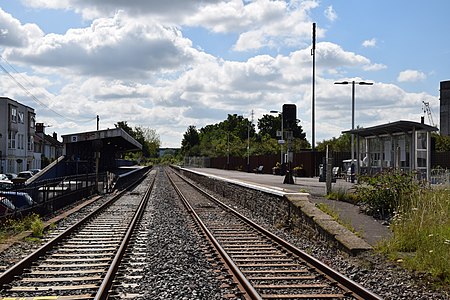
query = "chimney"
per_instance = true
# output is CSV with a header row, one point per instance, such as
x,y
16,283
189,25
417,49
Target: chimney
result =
x,y
422,120
55,135
40,127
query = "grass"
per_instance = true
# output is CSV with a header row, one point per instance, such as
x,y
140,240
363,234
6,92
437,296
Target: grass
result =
x,y
421,233
331,212
12,227
341,194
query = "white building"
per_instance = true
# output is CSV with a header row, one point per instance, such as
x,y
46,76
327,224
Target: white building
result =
x,y
17,129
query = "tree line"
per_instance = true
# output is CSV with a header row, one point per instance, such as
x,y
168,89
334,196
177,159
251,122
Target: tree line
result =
x,y
237,136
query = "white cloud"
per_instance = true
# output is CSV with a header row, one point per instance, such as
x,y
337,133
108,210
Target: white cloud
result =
x,y
374,67
109,47
330,13
411,76
260,23
370,43
14,34
93,9
333,56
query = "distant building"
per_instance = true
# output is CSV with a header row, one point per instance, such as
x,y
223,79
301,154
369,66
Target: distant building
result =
x,y
445,108
17,129
46,145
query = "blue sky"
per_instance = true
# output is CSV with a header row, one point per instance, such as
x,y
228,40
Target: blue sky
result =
x,y
170,64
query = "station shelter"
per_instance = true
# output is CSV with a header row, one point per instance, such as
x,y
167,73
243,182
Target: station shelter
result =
x,y
101,148
400,145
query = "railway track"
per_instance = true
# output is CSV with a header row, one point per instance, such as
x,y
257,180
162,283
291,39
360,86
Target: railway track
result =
x,y
81,262
263,265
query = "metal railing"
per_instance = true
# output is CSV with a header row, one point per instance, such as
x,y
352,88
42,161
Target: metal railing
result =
x,y
440,176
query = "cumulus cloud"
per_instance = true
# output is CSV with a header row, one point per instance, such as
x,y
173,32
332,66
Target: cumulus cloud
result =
x,y
333,56
110,47
370,43
411,76
261,23
92,9
14,34
330,13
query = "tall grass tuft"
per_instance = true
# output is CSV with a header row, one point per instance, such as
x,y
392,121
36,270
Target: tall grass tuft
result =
x,y
32,222
421,226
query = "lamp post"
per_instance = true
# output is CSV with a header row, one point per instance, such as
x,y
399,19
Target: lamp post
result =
x,y
282,133
353,113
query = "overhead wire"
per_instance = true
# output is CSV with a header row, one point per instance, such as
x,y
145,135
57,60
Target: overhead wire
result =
x,y
34,97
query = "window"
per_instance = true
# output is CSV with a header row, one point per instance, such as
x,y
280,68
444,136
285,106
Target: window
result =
x,y
20,141
30,143
421,140
13,114
32,121
11,140
21,117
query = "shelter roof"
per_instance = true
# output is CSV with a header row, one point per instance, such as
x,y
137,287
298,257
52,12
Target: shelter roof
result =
x,y
391,128
117,137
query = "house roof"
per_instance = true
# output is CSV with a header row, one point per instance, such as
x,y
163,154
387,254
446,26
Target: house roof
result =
x,y
391,128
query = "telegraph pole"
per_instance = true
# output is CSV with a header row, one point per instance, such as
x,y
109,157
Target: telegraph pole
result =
x,y
313,53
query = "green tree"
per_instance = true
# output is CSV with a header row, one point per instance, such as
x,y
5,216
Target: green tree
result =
x,y
147,137
190,144
340,144
149,140
125,127
441,142
269,124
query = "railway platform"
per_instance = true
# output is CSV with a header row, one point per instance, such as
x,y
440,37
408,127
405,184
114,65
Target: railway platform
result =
x,y
370,229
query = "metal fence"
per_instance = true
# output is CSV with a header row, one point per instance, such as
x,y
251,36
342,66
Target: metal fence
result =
x,y
440,176
53,194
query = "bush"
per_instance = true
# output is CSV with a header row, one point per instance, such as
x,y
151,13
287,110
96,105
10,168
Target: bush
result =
x,y
384,192
32,222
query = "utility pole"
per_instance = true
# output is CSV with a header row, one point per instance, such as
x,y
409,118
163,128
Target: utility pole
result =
x,y
98,122
248,143
313,53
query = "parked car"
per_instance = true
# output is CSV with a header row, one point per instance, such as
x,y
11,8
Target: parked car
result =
x,y
25,174
19,199
3,177
11,175
6,206
6,185
34,171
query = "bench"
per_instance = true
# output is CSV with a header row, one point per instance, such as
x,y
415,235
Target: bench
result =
x,y
259,169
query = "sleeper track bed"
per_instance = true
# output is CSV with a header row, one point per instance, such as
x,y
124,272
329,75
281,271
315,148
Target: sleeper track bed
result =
x,y
81,262
263,265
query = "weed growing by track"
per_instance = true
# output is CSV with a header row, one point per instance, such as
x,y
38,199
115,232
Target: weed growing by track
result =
x,y
331,212
32,222
421,233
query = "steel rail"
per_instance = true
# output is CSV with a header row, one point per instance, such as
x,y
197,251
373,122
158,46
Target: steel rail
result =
x,y
248,287
102,292
8,276
357,290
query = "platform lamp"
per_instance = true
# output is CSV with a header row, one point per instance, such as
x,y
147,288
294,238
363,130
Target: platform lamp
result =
x,y
353,115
